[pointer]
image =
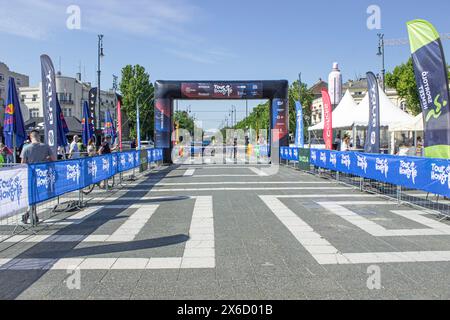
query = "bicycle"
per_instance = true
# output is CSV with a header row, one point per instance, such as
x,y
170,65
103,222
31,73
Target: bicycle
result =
x,y
111,182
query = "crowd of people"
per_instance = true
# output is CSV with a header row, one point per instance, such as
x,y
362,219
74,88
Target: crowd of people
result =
x,y
35,151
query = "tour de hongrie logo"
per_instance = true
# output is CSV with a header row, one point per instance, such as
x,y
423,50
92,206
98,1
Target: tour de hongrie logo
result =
x,y
362,163
225,90
440,173
314,156
382,165
73,173
333,159
346,161
323,157
408,169
11,189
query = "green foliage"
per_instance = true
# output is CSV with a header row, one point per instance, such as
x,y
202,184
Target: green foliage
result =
x,y
184,121
260,116
136,85
403,80
306,99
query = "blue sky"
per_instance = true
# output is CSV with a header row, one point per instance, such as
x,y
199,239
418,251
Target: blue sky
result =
x,y
199,39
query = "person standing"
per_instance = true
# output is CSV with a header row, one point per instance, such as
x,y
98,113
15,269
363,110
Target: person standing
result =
x,y
345,145
91,148
74,151
35,152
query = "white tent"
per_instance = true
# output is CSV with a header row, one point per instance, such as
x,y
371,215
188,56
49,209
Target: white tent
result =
x,y
415,124
389,113
342,115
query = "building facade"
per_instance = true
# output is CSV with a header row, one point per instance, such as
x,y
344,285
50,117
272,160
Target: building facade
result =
x,y
72,93
358,90
21,80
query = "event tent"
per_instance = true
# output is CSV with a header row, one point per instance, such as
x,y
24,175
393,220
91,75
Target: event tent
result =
x,y
341,115
414,125
389,113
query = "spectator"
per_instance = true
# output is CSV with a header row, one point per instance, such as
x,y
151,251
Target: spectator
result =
x,y
91,148
345,145
419,147
6,153
133,144
105,147
74,151
403,150
36,152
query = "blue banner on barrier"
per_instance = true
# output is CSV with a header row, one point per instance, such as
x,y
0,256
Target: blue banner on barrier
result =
x,y
430,175
290,154
50,180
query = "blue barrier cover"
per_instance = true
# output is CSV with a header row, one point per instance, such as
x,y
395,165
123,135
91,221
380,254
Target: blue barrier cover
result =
x,y
290,154
430,175
53,179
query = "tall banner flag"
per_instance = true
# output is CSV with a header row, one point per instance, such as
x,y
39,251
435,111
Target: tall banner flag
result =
x,y
299,134
328,120
92,104
373,134
119,122
49,102
63,129
13,126
109,129
432,84
87,124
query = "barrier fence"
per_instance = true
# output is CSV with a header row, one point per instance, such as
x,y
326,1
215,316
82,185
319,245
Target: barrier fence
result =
x,y
36,185
420,181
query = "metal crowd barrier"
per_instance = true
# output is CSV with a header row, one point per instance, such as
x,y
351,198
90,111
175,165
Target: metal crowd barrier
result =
x,y
419,182
46,190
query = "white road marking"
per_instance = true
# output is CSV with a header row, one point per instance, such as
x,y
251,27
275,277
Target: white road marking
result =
x,y
168,184
199,251
130,229
326,254
236,189
259,172
189,172
376,230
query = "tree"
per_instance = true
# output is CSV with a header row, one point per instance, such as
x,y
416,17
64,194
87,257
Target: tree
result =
x,y
403,80
184,121
306,99
136,85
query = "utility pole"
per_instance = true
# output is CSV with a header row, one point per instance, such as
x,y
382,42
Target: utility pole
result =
x,y
100,55
381,54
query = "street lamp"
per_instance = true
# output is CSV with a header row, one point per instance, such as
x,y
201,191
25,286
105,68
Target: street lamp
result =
x,y
381,54
138,122
100,55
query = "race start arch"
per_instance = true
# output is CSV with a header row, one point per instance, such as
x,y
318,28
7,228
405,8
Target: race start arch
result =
x,y
168,91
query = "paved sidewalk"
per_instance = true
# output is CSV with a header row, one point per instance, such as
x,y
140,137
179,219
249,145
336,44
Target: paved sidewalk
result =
x,y
232,232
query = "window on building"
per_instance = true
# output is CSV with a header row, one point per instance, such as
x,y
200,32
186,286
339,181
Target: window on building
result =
x,y
35,96
34,113
2,77
67,112
22,98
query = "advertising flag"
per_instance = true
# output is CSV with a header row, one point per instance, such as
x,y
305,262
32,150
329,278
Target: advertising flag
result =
x,y
86,122
431,73
63,129
13,126
109,129
299,134
92,104
373,134
328,120
119,122
49,102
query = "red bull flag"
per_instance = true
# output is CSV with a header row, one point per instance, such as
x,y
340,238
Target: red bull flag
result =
x,y
63,129
328,121
109,126
432,84
13,126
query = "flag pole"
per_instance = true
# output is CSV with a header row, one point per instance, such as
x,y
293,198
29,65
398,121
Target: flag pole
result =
x,y
14,149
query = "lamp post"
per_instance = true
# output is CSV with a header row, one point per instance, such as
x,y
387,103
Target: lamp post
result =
x,y
138,120
381,54
100,55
